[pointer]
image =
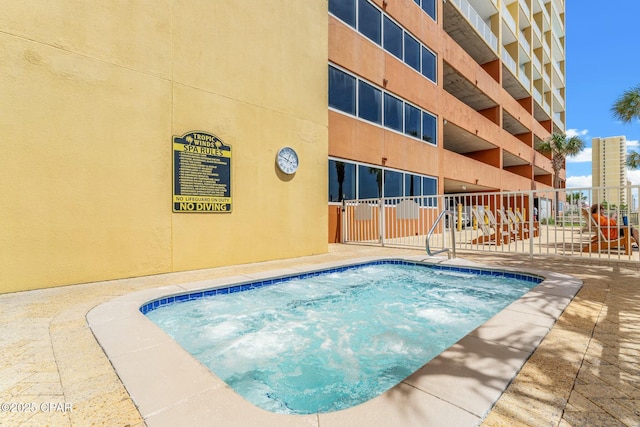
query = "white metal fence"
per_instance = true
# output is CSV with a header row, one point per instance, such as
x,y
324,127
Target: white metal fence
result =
x,y
554,222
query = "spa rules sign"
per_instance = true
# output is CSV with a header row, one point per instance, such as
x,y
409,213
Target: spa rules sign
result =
x,y
201,173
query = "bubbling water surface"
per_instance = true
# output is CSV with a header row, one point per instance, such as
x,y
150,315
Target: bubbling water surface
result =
x,y
333,341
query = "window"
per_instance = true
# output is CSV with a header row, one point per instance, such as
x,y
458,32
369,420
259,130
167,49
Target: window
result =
x,y
429,128
412,185
412,121
369,182
430,188
411,52
379,107
392,184
428,64
345,10
369,21
369,102
342,91
379,28
392,112
392,38
429,6
342,181
362,181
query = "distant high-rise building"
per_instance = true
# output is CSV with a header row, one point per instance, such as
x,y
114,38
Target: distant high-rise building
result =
x,y
608,169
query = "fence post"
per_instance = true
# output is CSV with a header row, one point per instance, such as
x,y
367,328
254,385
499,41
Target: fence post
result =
x,y
343,221
382,220
531,225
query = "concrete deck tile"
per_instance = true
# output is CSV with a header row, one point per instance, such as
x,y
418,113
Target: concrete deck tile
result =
x,y
481,370
223,404
167,361
528,335
405,406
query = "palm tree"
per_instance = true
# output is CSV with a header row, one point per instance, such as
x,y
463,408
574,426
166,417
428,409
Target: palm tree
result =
x,y
633,160
626,108
559,146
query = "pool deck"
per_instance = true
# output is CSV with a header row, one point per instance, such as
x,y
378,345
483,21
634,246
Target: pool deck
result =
x,y
585,372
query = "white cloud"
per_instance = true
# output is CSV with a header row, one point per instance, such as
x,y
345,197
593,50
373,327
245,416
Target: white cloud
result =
x,y
576,132
583,156
635,143
633,175
579,181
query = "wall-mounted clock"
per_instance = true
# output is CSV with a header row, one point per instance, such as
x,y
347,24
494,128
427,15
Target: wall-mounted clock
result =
x,y
287,160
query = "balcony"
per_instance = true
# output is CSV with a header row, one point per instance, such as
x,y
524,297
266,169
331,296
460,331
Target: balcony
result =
x,y
557,24
558,100
470,30
512,80
524,43
508,19
525,9
536,31
558,75
526,82
557,121
536,64
558,49
537,96
464,90
541,109
509,62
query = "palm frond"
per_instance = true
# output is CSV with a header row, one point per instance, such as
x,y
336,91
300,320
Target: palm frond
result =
x,y
627,106
633,160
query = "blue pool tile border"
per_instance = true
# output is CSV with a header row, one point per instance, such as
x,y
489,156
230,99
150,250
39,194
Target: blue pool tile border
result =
x,y
190,296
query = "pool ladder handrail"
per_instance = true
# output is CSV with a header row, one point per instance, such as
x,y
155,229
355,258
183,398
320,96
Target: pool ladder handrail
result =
x,y
453,235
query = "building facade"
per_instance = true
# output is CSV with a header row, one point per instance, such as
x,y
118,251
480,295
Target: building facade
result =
x,y
609,169
93,97
442,97
376,98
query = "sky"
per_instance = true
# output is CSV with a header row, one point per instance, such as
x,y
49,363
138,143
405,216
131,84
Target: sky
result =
x,y
602,61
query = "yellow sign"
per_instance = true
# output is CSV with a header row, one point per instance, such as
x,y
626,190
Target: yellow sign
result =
x,y
201,173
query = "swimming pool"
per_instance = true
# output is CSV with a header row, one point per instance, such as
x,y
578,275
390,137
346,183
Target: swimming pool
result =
x,y
458,387
330,340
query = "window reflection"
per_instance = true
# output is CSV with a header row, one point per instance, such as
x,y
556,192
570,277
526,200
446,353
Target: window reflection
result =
x,y
345,10
428,64
342,91
411,52
392,112
392,38
412,185
429,6
349,181
369,182
412,121
429,128
369,102
370,23
342,181
430,188
392,184
369,19
388,110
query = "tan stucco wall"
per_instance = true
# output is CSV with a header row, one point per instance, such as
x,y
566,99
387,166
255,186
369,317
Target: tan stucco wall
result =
x,y
91,95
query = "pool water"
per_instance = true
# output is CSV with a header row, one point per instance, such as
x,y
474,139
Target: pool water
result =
x,y
335,340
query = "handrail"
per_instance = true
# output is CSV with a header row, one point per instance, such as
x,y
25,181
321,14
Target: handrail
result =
x,y
453,235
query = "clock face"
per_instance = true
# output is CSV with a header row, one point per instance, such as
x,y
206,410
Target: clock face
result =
x,y
287,160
